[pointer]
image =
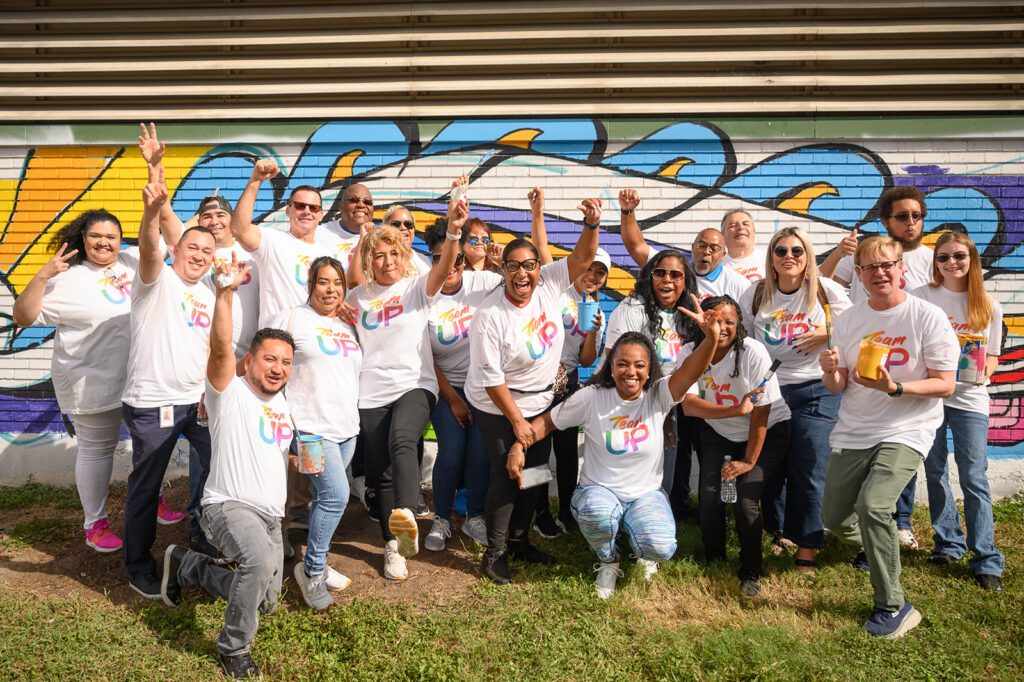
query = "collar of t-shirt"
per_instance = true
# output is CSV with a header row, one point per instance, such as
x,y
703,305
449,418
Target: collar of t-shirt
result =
x,y
716,273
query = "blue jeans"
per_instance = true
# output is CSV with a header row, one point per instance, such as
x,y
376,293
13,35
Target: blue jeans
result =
x,y
459,451
970,444
648,522
905,505
330,495
814,412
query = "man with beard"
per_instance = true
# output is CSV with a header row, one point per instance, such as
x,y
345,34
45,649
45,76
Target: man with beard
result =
x,y
743,254
714,277
245,494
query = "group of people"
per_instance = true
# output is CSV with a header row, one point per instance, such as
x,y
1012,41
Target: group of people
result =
x,y
336,338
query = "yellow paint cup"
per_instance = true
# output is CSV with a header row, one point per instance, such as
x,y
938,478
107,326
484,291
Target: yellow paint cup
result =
x,y
871,356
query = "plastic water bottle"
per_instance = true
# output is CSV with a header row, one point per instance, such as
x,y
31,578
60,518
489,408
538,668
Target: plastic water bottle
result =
x,y
728,487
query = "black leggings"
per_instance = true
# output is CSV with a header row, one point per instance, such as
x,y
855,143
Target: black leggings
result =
x,y
567,457
391,435
749,488
508,511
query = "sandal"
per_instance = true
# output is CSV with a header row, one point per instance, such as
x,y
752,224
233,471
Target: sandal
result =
x,y
806,566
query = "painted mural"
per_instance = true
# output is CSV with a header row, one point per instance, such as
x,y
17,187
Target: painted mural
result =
x,y
688,174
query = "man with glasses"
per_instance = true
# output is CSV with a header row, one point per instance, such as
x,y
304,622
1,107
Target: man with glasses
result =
x,y
714,277
886,424
743,254
342,235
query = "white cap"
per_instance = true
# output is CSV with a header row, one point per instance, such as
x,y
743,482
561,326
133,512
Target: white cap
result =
x,y
603,258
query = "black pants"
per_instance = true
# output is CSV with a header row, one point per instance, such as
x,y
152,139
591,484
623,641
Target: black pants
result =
x,y
688,430
508,511
151,452
567,457
391,435
749,490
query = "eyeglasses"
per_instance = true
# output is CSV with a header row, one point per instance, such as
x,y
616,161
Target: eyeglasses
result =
x,y
782,251
407,224
710,248
958,256
662,273
475,239
530,264
435,258
300,206
907,217
884,266
365,201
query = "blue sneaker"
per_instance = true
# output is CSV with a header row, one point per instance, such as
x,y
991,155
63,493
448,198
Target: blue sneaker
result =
x,y
893,624
860,562
460,502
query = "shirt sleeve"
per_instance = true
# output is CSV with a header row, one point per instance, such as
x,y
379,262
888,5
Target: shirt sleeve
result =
x,y
663,394
619,322
941,349
49,312
836,296
573,412
844,269
995,330
485,350
557,273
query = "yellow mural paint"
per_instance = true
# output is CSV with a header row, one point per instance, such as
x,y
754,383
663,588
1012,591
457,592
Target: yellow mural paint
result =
x,y
801,201
520,138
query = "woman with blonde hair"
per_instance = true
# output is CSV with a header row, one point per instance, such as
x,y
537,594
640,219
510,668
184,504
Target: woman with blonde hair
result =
x,y
786,312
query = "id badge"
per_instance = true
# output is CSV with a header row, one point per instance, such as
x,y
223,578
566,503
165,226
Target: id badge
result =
x,y
166,416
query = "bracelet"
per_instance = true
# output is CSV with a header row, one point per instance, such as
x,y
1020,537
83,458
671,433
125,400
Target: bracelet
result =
x,y
453,237
515,452
627,211
898,392
591,227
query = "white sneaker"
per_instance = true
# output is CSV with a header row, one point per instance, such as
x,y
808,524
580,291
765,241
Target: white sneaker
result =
x,y
394,563
475,528
336,581
439,533
606,576
314,590
907,539
402,524
650,568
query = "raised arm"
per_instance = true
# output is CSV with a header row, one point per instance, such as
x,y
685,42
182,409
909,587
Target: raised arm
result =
x,y
585,250
151,256
538,231
242,229
632,235
845,248
152,150
220,367
30,301
354,274
458,213
690,369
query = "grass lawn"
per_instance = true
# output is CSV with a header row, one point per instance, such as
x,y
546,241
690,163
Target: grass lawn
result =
x,y
688,624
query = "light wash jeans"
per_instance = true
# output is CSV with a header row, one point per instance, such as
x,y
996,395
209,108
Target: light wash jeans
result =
x,y
648,522
330,495
970,444
460,451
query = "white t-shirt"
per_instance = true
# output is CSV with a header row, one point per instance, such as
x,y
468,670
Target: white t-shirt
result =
x,y
170,341
780,327
954,303
629,316
250,438
623,448
728,283
520,347
920,337
393,333
323,388
91,309
717,386
918,272
450,319
751,267
245,303
284,262
573,336
339,242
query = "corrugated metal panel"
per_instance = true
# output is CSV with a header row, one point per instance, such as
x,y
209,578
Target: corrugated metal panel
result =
x,y
252,59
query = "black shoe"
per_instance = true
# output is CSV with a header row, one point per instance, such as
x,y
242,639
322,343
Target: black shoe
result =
x,y
545,525
567,523
197,542
987,581
941,559
524,551
240,667
370,502
422,510
860,562
146,586
495,567
750,588
170,588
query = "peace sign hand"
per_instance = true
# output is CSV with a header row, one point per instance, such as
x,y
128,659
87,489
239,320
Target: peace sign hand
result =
x,y
59,262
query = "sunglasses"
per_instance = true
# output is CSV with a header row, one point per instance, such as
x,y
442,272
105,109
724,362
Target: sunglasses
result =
x,y
782,251
674,275
435,258
529,265
475,239
907,217
884,266
356,200
407,224
312,208
710,248
958,256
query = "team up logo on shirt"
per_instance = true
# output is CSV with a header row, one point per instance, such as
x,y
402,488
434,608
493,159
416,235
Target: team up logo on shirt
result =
x,y
334,341
668,345
302,263
897,356
540,335
344,251
627,433
721,393
959,328
453,324
275,427
195,311
750,273
381,312
790,325
115,287
570,318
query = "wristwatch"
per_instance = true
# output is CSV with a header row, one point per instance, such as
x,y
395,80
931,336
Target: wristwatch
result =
x,y
453,237
627,211
898,392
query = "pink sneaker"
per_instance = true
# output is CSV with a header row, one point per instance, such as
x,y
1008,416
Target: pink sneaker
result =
x,y
166,516
100,538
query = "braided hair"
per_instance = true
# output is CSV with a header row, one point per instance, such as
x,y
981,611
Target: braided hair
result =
x,y
741,331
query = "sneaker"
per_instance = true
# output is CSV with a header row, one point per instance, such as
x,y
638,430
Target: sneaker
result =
x,y
495,567
370,502
544,525
750,588
649,567
461,500
101,538
607,573
987,581
402,525
146,586
422,510
524,551
566,523
166,516
860,562
893,624
239,667
941,559
475,528
357,488
314,588
439,533
336,581
170,588
907,539
394,563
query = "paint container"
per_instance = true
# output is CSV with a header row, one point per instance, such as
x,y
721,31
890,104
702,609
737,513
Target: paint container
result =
x,y
311,454
971,368
871,356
